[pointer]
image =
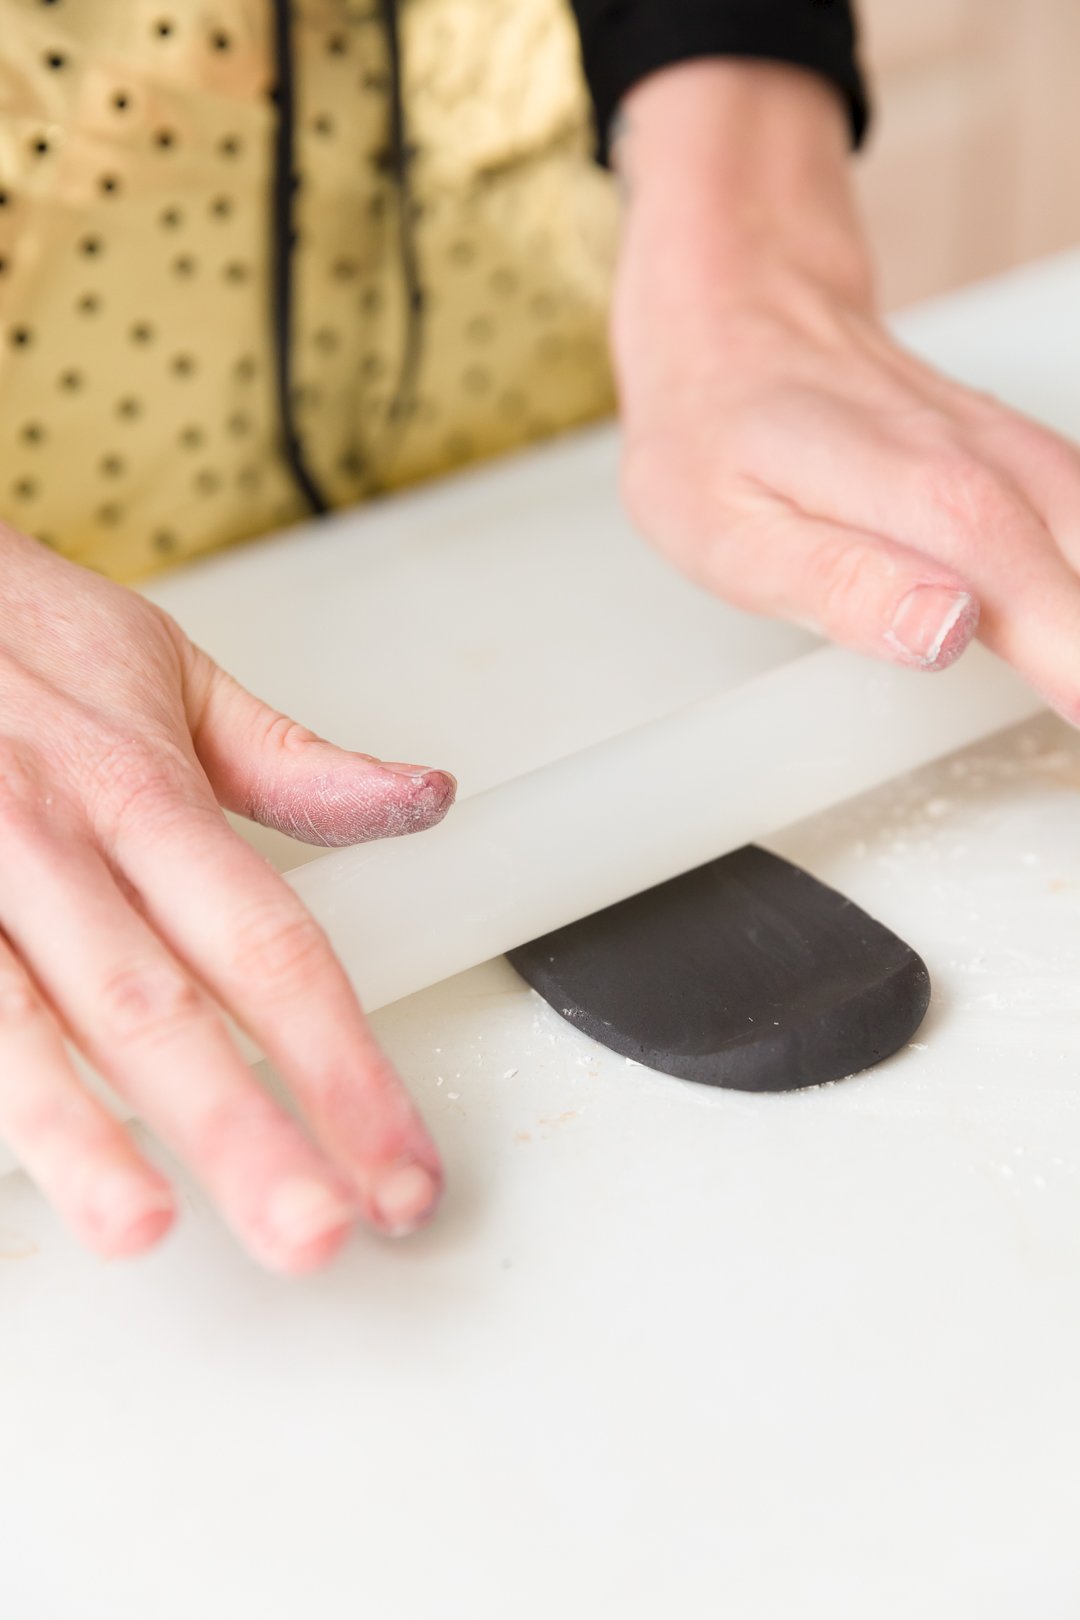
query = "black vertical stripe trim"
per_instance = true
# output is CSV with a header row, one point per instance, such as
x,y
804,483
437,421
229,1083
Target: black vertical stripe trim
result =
x,y
400,159
281,240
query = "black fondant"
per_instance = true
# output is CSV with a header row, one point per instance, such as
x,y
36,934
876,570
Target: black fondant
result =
x,y
746,973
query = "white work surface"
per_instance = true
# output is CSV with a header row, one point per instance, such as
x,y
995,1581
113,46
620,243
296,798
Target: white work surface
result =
x,y
667,1350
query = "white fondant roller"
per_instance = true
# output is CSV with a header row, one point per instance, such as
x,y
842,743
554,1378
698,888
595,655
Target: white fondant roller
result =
x,y
591,829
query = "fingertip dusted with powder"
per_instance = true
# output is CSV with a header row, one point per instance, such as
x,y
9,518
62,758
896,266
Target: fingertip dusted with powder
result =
x,y
431,794
357,802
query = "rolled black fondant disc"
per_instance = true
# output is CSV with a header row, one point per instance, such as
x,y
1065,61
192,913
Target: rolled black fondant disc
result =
x,y
746,973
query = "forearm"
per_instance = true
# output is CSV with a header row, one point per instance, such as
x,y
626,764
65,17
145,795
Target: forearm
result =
x,y
733,169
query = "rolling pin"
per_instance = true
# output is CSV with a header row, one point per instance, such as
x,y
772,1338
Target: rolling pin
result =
x,y
593,828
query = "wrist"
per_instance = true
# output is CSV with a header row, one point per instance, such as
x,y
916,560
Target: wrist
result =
x,y
736,174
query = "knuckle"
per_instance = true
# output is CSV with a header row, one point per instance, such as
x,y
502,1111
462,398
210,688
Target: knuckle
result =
x,y
373,1110
362,1092
20,779
239,1124
36,1115
849,577
148,1001
965,489
1055,457
139,783
20,1005
280,949
286,736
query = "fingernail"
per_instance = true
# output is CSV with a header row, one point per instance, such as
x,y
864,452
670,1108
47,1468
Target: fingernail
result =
x,y
933,625
121,1200
417,772
300,1211
404,1198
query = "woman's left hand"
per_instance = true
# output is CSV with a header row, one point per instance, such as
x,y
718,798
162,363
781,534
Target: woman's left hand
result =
x,y
779,446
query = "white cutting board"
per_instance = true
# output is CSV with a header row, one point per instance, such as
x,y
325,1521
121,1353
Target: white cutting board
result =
x,y
668,1350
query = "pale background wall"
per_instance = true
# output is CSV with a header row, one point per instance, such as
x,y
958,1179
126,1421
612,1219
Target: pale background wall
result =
x,y
975,162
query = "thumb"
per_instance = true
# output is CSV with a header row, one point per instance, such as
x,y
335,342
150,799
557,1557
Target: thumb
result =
x,y
867,593
267,767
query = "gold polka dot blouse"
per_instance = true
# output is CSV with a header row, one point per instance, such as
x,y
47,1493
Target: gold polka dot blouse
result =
x,y
259,258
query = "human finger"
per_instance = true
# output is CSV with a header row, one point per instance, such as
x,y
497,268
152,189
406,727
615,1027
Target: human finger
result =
x,y
145,1024
77,1153
265,766
246,936
862,591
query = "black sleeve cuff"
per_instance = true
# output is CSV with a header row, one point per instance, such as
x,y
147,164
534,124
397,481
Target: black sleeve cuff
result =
x,y
623,40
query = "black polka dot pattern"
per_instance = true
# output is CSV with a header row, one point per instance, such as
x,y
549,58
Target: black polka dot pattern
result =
x,y
142,366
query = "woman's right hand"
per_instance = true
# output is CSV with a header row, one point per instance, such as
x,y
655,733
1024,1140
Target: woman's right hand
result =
x,y
131,916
